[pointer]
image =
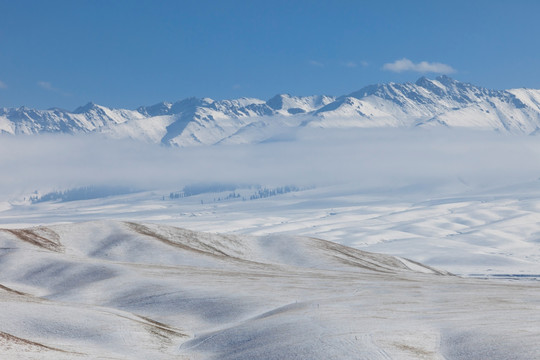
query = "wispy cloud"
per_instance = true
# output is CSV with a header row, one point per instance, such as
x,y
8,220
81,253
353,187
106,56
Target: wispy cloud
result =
x,y
316,63
49,87
46,85
421,67
3,85
353,64
349,64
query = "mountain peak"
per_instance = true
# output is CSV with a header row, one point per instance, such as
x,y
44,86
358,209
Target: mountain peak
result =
x,y
82,109
190,104
423,81
444,79
276,102
162,108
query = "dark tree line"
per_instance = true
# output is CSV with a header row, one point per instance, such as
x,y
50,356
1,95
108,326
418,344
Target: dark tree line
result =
x,y
265,192
81,193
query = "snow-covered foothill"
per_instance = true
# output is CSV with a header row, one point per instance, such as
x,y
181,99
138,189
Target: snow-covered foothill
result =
x,y
107,289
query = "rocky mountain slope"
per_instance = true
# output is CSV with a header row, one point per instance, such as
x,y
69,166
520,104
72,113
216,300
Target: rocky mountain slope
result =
x,y
440,102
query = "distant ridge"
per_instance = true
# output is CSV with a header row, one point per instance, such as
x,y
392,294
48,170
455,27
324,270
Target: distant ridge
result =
x,y
440,102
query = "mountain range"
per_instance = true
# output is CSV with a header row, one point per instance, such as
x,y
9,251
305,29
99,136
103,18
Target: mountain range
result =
x,y
440,102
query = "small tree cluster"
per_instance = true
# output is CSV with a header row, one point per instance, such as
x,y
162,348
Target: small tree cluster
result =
x,y
265,192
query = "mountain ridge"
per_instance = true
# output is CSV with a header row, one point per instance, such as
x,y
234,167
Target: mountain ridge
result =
x,y
437,102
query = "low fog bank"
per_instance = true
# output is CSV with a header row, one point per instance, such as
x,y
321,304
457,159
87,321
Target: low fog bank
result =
x,y
370,158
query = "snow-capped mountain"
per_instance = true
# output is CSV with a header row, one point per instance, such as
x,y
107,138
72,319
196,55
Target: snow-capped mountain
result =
x,y
88,118
439,102
443,101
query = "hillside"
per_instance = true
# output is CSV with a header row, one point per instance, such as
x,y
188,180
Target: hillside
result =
x,y
130,290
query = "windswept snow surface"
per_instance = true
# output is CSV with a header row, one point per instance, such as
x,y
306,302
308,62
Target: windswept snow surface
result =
x,y
484,231
125,290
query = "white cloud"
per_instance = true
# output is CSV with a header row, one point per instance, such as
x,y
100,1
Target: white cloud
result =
x,y
3,85
349,64
353,64
49,87
421,67
316,63
46,85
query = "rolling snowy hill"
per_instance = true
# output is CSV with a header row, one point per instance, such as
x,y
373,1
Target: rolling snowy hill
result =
x,y
124,290
426,103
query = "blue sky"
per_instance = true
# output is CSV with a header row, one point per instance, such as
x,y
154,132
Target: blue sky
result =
x,y
131,53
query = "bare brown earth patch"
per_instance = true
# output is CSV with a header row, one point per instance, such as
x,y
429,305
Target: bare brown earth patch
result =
x,y
418,352
201,247
164,327
41,237
163,334
12,291
7,341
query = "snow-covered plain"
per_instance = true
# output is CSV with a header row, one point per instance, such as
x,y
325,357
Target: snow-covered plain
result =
x,y
124,290
467,232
